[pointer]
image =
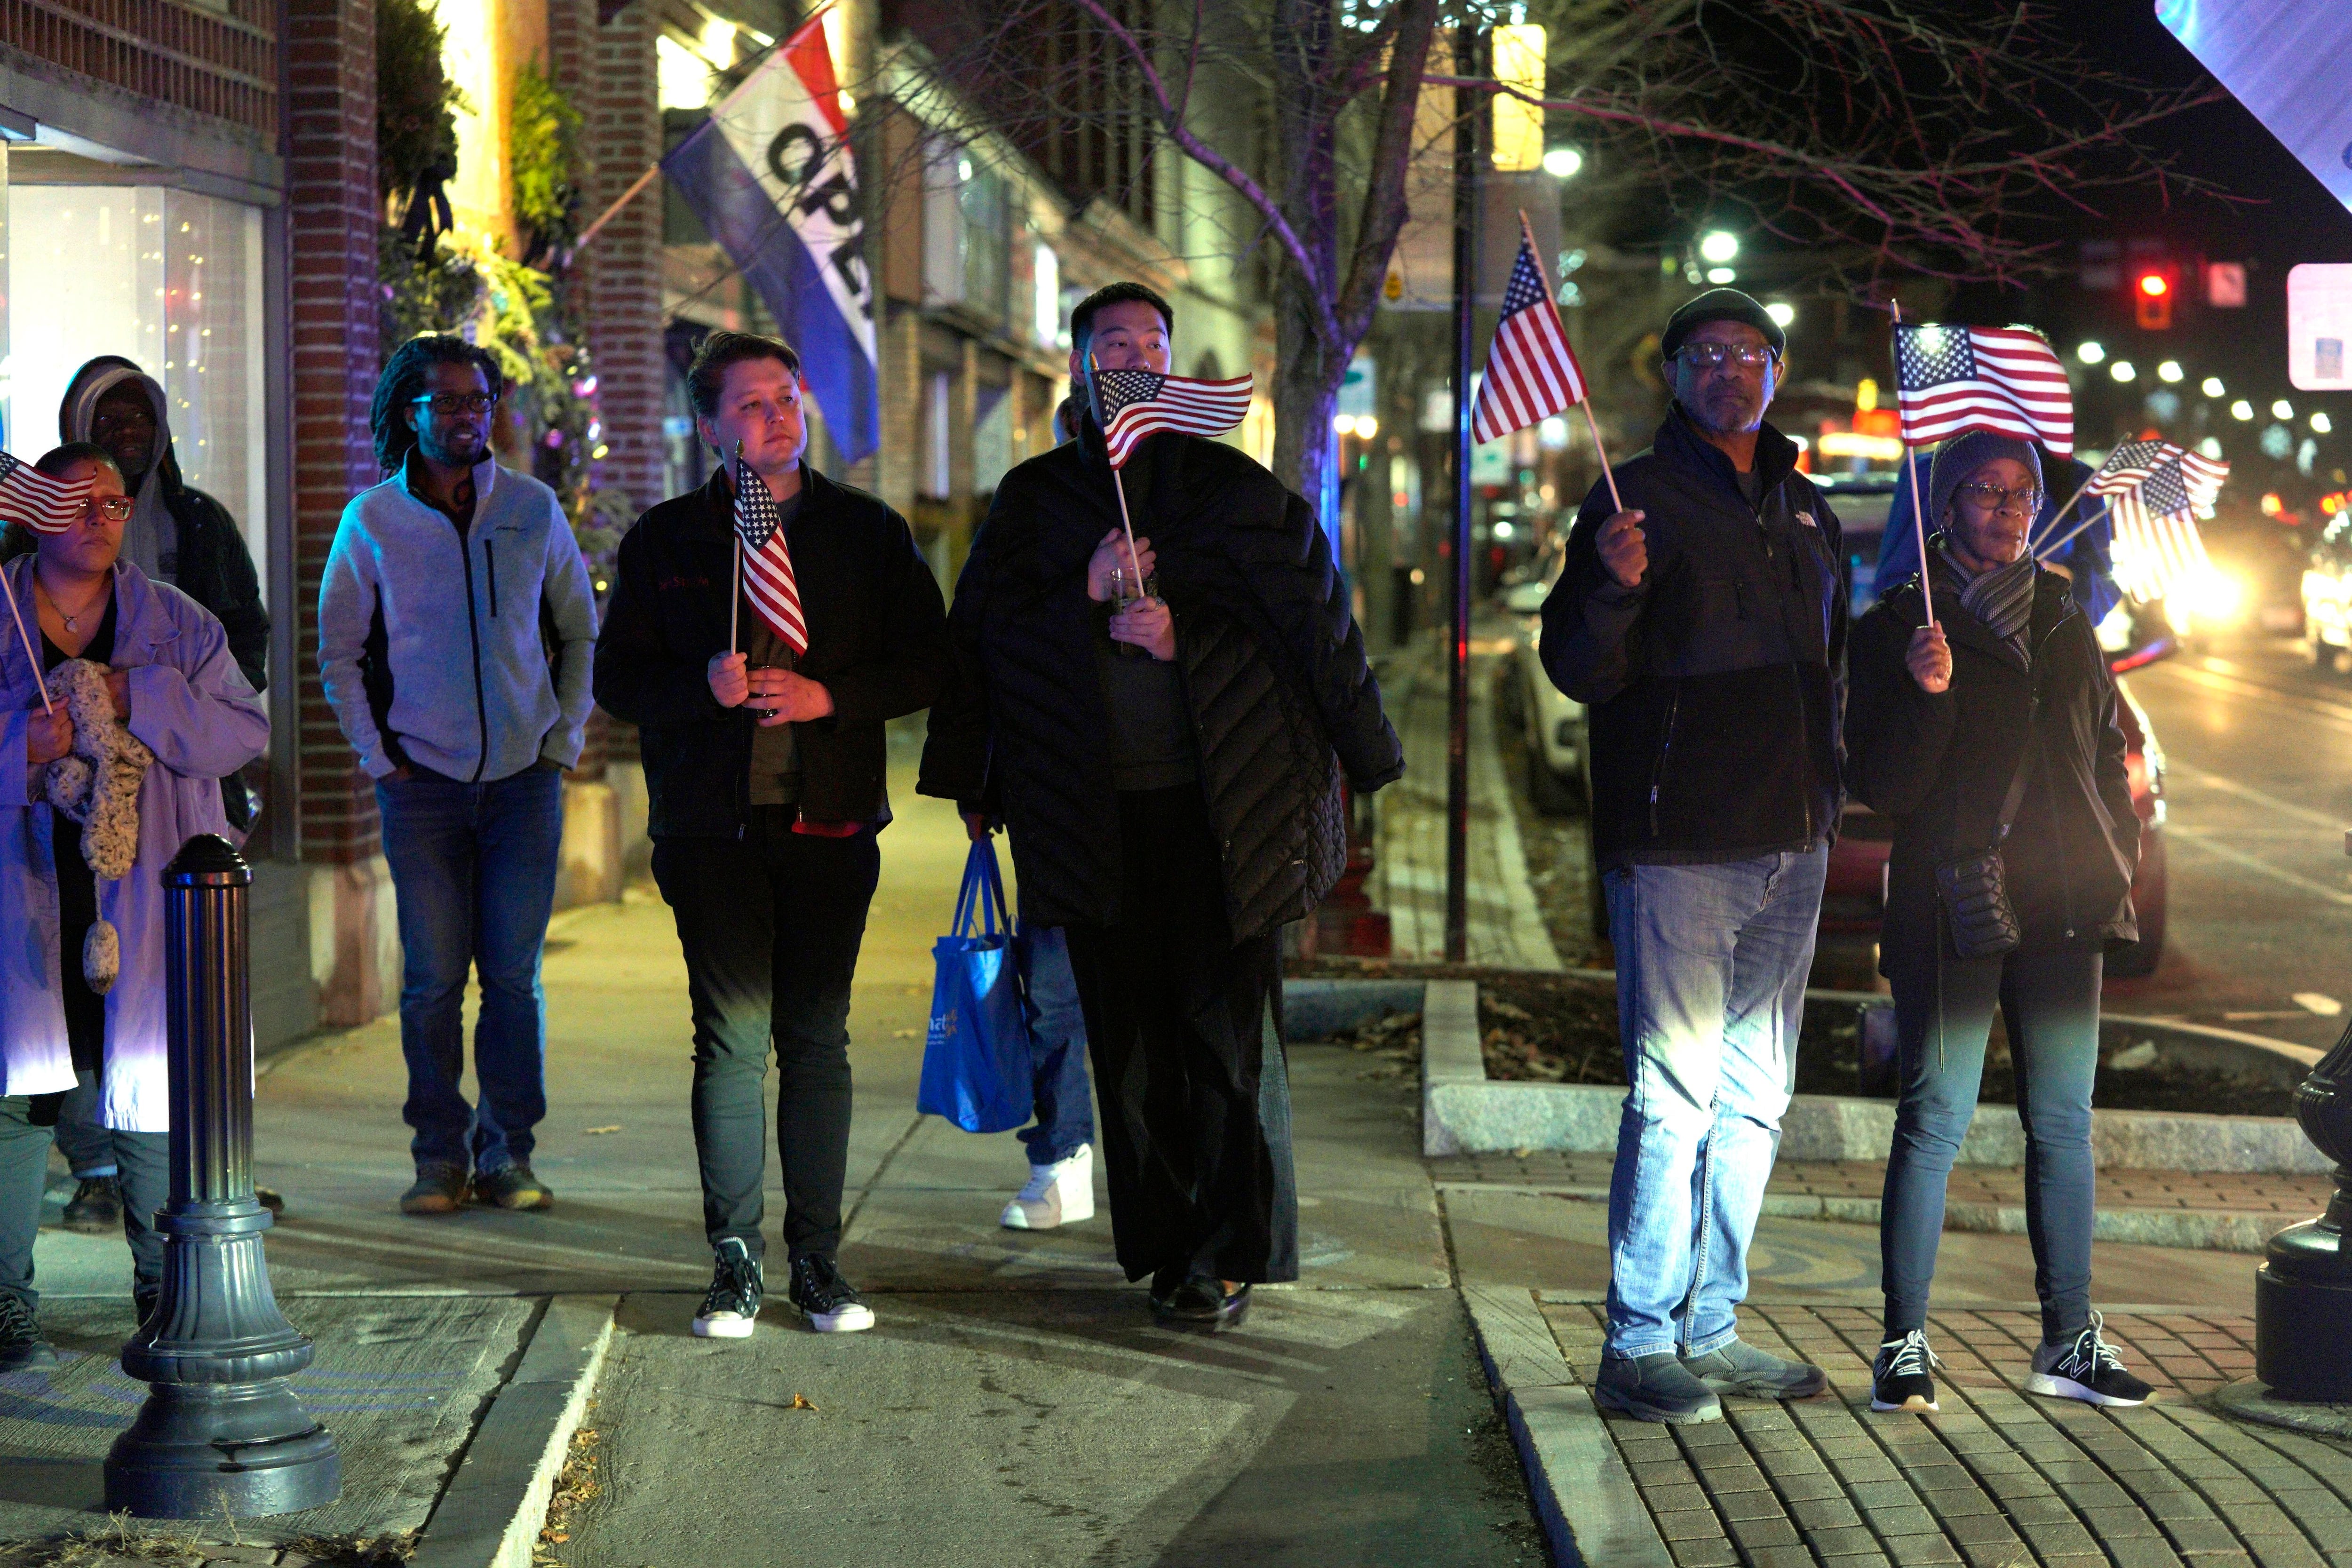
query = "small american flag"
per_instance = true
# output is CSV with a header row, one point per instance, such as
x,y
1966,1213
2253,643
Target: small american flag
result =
x,y
768,581
1531,373
2157,542
2128,466
2005,379
1133,403
42,504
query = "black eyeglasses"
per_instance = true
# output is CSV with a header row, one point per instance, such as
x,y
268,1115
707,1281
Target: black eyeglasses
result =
x,y
1709,356
449,403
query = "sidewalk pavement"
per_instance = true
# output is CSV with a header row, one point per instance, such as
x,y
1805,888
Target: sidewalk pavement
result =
x,y
1014,1402
2227,1211
1506,926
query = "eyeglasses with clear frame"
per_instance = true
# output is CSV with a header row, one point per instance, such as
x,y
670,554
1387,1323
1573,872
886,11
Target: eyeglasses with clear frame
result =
x,y
114,509
1710,356
1992,498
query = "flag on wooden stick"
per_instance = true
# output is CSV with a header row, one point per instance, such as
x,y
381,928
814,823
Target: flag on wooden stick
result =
x,y
1531,370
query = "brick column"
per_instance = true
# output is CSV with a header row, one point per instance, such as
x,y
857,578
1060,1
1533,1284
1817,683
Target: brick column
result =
x,y
333,218
333,214
623,266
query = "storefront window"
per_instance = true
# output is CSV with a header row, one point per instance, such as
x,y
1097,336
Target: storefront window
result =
x,y
169,279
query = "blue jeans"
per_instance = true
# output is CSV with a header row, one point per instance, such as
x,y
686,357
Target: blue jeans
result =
x,y
1943,1014
473,866
142,1163
1057,1043
1711,966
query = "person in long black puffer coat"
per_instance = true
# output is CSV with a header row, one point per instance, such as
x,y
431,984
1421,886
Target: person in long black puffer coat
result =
x,y
1170,774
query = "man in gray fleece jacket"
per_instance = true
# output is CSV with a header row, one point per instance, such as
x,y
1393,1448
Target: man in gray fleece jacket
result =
x,y
447,585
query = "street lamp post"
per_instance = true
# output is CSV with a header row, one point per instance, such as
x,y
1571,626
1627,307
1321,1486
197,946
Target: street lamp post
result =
x,y
1469,110
221,1430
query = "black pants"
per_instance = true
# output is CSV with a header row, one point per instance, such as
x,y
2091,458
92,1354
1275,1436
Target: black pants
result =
x,y
1188,1058
771,927
142,1160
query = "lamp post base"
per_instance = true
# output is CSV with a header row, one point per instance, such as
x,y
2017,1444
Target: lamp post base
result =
x,y
2302,1313
196,1449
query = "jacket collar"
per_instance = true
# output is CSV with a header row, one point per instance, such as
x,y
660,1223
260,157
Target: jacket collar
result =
x,y
485,474
1680,442
715,512
2053,603
141,621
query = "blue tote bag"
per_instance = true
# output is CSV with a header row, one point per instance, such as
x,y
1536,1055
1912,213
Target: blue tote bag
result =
x,y
976,1060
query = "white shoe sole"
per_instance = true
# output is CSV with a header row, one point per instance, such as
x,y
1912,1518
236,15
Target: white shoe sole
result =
x,y
1917,1405
2067,1388
730,1327
849,1321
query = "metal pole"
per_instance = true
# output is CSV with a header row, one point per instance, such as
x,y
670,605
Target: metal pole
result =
x,y
1470,112
221,1431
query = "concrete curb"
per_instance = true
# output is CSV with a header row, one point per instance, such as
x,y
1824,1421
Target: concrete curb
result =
x,y
1591,1511
1465,1112
2249,1400
2195,1230
491,1512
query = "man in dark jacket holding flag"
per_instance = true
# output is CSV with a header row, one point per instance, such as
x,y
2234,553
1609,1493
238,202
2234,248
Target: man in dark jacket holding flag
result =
x,y
1170,772
1705,625
760,712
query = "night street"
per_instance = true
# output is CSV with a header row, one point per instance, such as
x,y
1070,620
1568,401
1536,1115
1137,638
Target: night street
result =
x,y
2258,748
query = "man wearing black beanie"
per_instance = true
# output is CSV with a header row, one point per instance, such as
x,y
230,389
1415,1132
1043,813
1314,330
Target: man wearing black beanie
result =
x,y
1705,626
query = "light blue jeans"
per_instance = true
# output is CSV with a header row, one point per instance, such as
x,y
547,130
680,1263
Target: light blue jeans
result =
x,y
1711,966
1058,1044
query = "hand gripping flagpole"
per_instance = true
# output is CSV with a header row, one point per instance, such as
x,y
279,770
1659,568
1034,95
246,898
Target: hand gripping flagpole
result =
x,y
1911,456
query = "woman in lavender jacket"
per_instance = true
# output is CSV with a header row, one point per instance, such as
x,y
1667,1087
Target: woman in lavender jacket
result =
x,y
171,669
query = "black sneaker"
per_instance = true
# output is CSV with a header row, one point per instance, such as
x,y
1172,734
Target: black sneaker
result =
x,y
734,1299
2086,1368
96,1207
512,1187
829,1302
21,1345
1900,1379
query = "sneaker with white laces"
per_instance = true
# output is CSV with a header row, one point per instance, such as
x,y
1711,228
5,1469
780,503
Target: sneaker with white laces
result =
x,y
1060,1193
733,1303
1902,1377
2085,1368
829,1302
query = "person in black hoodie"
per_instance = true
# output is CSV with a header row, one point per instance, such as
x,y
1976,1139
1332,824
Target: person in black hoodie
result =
x,y
1994,728
1170,772
764,772
1705,627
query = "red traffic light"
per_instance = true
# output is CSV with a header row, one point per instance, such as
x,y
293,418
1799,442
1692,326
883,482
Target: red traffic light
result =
x,y
2155,285
2152,291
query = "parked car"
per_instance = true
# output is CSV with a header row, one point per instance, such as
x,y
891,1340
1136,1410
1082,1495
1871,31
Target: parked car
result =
x,y
2327,593
1559,778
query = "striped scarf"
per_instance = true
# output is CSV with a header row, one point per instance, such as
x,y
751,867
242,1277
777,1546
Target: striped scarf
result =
x,y
2001,597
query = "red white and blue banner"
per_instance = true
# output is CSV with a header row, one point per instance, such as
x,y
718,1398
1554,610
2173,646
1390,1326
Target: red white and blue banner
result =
x,y
772,176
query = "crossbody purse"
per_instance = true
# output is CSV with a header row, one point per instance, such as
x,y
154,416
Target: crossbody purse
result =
x,y
1974,889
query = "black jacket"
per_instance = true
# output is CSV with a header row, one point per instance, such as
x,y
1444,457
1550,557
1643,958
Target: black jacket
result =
x,y
1714,683
1275,676
877,641
1940,766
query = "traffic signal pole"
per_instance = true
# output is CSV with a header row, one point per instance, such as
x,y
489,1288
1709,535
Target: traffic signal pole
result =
x,y
1470,112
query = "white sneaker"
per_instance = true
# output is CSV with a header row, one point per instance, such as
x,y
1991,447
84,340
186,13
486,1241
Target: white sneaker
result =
x,y
1059,1193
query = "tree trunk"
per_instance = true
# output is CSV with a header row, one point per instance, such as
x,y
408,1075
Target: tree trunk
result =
x,y
1307,375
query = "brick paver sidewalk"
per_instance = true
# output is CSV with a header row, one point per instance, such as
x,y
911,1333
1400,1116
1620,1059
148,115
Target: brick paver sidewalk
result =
x,y
1998,1477
1849,1189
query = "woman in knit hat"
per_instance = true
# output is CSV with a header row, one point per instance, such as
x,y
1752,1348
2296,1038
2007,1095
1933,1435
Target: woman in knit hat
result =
x,y
1994,728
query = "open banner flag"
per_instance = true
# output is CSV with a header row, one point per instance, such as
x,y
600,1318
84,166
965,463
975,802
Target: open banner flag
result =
x,y
41,503
771,177
1531,373
2005,379
1133,403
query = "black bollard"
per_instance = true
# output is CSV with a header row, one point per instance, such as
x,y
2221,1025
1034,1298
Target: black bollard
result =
x,y
221,1431
2303,1292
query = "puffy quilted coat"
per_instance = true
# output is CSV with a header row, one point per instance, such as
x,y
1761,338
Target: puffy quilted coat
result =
x,y
1281,698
